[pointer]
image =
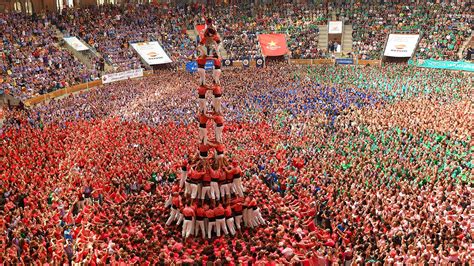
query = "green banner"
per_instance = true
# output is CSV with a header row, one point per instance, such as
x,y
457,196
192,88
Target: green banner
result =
x,y
451,65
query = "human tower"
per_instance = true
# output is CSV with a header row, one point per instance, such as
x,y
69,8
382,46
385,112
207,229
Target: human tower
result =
x,y
210,197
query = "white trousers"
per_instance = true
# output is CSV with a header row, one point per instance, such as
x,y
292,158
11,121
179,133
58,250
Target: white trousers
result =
x,y
220,224
238,221
206,190
210,226
173,216
218,131
203,135
184,176
194,190
202,105
225,190
187,228
215,193
217,104
230,225
239,188
202,76
199,225
216,73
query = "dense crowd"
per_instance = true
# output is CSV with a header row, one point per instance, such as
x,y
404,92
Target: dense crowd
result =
x,y
31,61
443,27
369,165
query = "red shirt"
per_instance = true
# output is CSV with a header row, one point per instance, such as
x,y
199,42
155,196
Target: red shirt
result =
x,y
220,147
203,119
228,212
200,212
188,212
210,213
206,177
219,211
219,119
195,175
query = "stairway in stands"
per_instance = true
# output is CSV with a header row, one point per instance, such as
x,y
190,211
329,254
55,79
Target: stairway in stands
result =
x,y
85,58
468,43
323,37
347,39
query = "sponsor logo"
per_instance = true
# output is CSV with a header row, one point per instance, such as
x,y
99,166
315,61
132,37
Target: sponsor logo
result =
x,y
245,62
273,46
400,46
227,62
260,61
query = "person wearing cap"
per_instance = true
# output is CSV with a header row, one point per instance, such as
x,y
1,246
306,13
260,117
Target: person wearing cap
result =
x,y
220,220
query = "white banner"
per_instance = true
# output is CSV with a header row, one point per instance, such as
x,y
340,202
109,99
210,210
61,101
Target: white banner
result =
x,y
401,45
151,52
335,27
75,43
130,74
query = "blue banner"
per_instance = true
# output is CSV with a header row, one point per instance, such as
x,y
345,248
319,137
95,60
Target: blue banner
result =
x,y
259,62
344,61
209,65
440,64
228,62
192,66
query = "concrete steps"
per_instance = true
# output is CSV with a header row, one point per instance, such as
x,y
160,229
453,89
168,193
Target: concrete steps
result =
x,y
323,37
86,57
469,42
347,39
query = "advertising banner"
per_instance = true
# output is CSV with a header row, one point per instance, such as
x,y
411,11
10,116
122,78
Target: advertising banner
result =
x,y
335,27
401,45
440,64
135,73
273,44
245,62
344,61
152,53
75,43
228,62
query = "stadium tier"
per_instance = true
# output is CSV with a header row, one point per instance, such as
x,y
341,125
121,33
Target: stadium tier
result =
x,y
237,134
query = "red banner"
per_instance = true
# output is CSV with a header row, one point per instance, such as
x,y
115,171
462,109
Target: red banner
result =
x,y
200,29
273,44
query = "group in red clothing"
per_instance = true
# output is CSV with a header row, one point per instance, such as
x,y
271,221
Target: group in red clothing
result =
x,y
210,196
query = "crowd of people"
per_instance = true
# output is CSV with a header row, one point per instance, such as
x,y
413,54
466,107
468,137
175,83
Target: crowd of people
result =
x,y
33,63
443,27
366,165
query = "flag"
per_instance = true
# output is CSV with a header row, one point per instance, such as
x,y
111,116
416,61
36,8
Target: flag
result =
x,y
228,62
245,62
273,44
259,62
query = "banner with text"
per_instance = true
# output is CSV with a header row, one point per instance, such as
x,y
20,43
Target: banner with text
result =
x,y
450,65
135,73
335,27
75,43
401,45
152,53
273,44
